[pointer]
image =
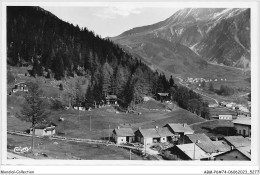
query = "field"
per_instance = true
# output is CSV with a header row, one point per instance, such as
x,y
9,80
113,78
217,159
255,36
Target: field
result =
x,y
70,150
103,120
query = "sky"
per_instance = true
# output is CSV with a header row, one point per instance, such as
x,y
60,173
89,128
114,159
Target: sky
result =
x,y
111,20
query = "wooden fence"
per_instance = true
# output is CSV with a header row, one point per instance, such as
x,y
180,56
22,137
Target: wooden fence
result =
x,y
55,137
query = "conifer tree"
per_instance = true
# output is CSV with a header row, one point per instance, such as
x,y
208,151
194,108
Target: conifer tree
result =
x,y
171,81
107,73
33,109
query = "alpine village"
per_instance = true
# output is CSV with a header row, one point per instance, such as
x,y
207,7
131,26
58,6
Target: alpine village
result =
x,y
175,90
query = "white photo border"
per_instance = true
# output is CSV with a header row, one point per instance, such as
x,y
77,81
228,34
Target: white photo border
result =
x,y
138,167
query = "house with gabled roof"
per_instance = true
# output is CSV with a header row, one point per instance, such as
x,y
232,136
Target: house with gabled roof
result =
x,y
153,135
162,96
165,134
44,129
243,126
111,99
179,130
205,143
188,151
20,87
147,136
123,135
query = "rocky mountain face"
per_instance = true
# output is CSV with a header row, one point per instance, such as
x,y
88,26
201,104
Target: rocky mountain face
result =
x,y
193,39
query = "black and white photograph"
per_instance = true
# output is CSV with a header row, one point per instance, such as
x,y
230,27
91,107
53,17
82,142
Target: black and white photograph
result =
x,y
130,83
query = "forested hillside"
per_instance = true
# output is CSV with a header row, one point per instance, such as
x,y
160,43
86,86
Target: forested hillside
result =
x,y
56,49
59,49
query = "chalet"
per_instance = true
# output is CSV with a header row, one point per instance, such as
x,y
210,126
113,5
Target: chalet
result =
x,y
20,87
147,136
240,154
163,97
188,151
243,126
179,130
45,129
153,135
123,135
111,99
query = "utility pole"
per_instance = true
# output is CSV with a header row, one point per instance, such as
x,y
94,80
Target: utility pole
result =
x,y
194,151
90,123
79,116
196,141
130,154
144,146
109,133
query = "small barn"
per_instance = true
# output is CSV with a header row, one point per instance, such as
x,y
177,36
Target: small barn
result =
x,y
123,135
163,97
20,87
45,129
111,99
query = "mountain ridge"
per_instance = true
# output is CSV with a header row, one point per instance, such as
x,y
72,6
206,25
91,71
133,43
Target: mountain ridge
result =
x,y
205,31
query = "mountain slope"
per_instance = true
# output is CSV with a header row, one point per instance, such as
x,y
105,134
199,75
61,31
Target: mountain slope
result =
x,y
57,49
219,36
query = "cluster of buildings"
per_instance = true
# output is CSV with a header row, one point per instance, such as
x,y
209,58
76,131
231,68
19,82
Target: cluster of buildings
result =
x,y
171,132
201,147
234,106
191,146
199,80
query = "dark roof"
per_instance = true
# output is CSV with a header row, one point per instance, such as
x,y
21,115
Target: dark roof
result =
x,y
246,151
222,146
208,147
123,132
203,142
111,97
201,137
45,125
179,127
238,141
163,132
151,132
243,150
